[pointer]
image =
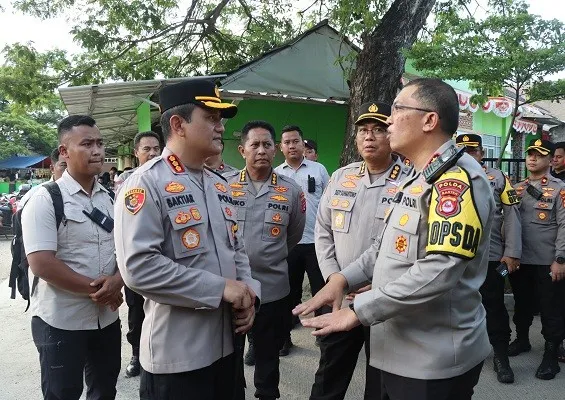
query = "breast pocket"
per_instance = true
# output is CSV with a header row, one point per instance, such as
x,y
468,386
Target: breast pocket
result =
x,y
341,213
403,242
78,228
189,232
382,211
543,213
274,225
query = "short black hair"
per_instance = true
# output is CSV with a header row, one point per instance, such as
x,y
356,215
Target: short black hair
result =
x,y
184,111
68,123
437,95
114,169
559,145
290,128
55,156
256,124
141,135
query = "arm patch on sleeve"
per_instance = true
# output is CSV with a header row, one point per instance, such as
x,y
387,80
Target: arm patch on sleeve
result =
x,y
509,197
454,225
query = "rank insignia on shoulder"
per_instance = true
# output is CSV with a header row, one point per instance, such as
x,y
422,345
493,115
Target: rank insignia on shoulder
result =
x,y
134,200
221,187
279,197
442,163
175,164
174,187
191,238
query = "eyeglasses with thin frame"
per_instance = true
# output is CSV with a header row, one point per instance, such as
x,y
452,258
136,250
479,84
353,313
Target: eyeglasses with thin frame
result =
x,y
396,107
377,131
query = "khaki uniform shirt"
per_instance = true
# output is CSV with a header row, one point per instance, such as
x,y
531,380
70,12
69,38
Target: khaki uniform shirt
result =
x,y
425,311
85,247
543,221
506,216
351,214
177,242
272,221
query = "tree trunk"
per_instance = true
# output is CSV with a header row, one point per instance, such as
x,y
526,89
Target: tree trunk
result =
x,y
380,64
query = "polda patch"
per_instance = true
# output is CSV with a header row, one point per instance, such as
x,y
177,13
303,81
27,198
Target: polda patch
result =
x,y
134,200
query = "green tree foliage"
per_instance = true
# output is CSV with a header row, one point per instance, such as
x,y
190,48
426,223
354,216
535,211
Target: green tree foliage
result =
x,y
29,108
509,48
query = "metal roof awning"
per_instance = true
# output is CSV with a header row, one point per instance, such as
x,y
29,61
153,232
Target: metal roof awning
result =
x,y
17,162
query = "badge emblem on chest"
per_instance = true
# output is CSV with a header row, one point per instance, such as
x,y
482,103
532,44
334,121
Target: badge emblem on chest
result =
x,y
277,217
195,213
339,220
182,217
175,187
221,187
134,200
349,184
275,231
401,244
191,238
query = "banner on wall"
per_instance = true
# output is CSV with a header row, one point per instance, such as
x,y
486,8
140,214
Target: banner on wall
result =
x,y
500,106
525,126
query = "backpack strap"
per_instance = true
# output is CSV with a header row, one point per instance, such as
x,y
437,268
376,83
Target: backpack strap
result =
x,y
57,198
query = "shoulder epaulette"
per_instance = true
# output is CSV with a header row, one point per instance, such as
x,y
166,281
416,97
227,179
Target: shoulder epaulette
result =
x,y
215,173
441,163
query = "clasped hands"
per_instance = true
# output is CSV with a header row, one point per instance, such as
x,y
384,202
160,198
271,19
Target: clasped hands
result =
x,y
108,291
242,298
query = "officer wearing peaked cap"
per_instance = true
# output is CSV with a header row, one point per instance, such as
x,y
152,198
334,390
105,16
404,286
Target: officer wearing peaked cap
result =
x,y
505,247
542,267
178,245
271,215
350,217
428,328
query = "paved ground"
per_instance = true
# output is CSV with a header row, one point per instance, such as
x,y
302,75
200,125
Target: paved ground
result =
x,y
19,366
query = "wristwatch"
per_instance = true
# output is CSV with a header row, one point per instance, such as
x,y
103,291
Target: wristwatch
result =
x,y
560,260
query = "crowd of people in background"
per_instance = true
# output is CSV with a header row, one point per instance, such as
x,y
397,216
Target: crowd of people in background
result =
x,y
406,252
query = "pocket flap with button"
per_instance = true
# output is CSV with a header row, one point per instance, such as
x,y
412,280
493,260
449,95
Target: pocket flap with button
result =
x,y
405,220
182,218
276,217
342,203
542,213
75,214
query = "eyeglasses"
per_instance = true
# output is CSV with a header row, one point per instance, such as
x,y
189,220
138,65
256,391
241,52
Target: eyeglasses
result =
x,y
377,131
396,107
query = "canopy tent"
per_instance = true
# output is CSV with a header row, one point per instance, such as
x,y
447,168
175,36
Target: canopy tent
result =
x,y
17,162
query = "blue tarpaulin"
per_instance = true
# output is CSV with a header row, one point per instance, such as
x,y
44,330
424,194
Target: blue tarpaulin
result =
x,y
16,162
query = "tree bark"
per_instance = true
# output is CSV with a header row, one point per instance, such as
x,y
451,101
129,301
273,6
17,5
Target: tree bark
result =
x,y
380,64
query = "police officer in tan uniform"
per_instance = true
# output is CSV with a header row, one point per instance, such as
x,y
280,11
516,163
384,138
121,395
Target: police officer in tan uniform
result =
x,y
542,265
350,217
428,328
178,245
271,216
504,258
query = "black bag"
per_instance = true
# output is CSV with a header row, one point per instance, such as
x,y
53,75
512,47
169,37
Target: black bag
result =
x,y
20,265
